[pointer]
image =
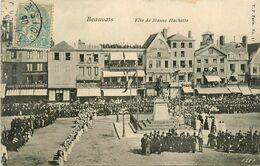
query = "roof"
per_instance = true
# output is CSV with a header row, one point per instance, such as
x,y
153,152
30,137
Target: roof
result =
x,y
236,51
62,46
198,51
179,36
256,57
149,40
252,48
208,33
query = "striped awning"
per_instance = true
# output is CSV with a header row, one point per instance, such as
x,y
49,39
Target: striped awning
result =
x,y
130,56
213,78
26,92
234,89
187,89
214,90
245,90
88,92
119,92
2,90
116,56
114,74
255,91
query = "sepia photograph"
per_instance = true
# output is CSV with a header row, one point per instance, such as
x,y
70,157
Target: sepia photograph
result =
x,y
130,82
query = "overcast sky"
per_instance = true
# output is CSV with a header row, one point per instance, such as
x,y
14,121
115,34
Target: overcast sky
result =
x,y
222,17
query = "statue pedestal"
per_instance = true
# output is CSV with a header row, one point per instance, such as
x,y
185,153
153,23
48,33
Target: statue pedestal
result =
x,y
160,110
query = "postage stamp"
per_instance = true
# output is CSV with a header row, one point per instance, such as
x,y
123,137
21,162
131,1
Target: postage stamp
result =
x,y
33,24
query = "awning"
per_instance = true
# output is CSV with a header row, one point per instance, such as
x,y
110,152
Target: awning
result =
x,y
245,90
140,73
214,90
116,56
26,92
114,74
85,92
2,90
187,89
119,92
131,56
234,89
255,91
213,78
40,92
13,92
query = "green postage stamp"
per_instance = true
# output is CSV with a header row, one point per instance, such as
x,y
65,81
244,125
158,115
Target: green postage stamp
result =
x,y
33,25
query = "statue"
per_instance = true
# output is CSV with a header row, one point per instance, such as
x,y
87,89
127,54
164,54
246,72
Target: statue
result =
x,y
158,86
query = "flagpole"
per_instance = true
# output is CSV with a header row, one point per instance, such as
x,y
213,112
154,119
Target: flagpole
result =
x,y
137,128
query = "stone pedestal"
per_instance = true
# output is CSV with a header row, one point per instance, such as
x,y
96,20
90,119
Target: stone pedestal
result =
x,y
160,110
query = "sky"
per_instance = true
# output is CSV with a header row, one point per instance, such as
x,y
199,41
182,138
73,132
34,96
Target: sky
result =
x,y
222,17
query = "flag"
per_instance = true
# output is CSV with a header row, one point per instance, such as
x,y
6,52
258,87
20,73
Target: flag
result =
x,y
129,82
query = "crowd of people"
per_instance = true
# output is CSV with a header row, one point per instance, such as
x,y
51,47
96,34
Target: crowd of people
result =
x,y
82,123
22,129
240,142
171,141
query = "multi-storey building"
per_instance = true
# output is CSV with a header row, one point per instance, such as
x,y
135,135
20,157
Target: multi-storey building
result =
x,y
254,64
25,72
62,63
210,65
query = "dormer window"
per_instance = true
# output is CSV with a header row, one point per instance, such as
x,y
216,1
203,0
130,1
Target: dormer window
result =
x,y
159,55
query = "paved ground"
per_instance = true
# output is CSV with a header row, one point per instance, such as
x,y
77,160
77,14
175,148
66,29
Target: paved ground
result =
x,y
41,147
98,146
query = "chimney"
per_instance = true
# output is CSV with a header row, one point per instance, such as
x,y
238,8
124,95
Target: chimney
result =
x,y
221,40
244,41
189,34
164,32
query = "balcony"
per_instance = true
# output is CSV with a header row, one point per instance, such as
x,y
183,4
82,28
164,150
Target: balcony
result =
x,y
119,85
28,86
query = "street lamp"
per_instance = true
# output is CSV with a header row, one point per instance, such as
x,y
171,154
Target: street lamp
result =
x,y
123,122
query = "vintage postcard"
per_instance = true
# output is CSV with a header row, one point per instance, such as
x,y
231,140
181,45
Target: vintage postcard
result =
x,y
130,82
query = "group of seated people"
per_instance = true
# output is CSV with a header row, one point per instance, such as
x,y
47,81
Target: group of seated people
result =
x,y
22,129
82,123
239,142
171,141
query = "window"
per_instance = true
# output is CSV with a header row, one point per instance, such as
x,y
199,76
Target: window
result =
x,y
158,64
29,67
215,61
243,67
159,55
206,60
29,55
96,71
14,80
198,70
190,63
81,57
150,64
67,56
174,64
222,70
175,54
14,68
222,60
40,55
95,58
182,64
81,71
39,67
181,78
14,55
56,56
190,45
198,60
29,79
182,45
140,61
215,69
232,67
174,45
89,71
150,79
182,54
166,64
199,81
254,70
